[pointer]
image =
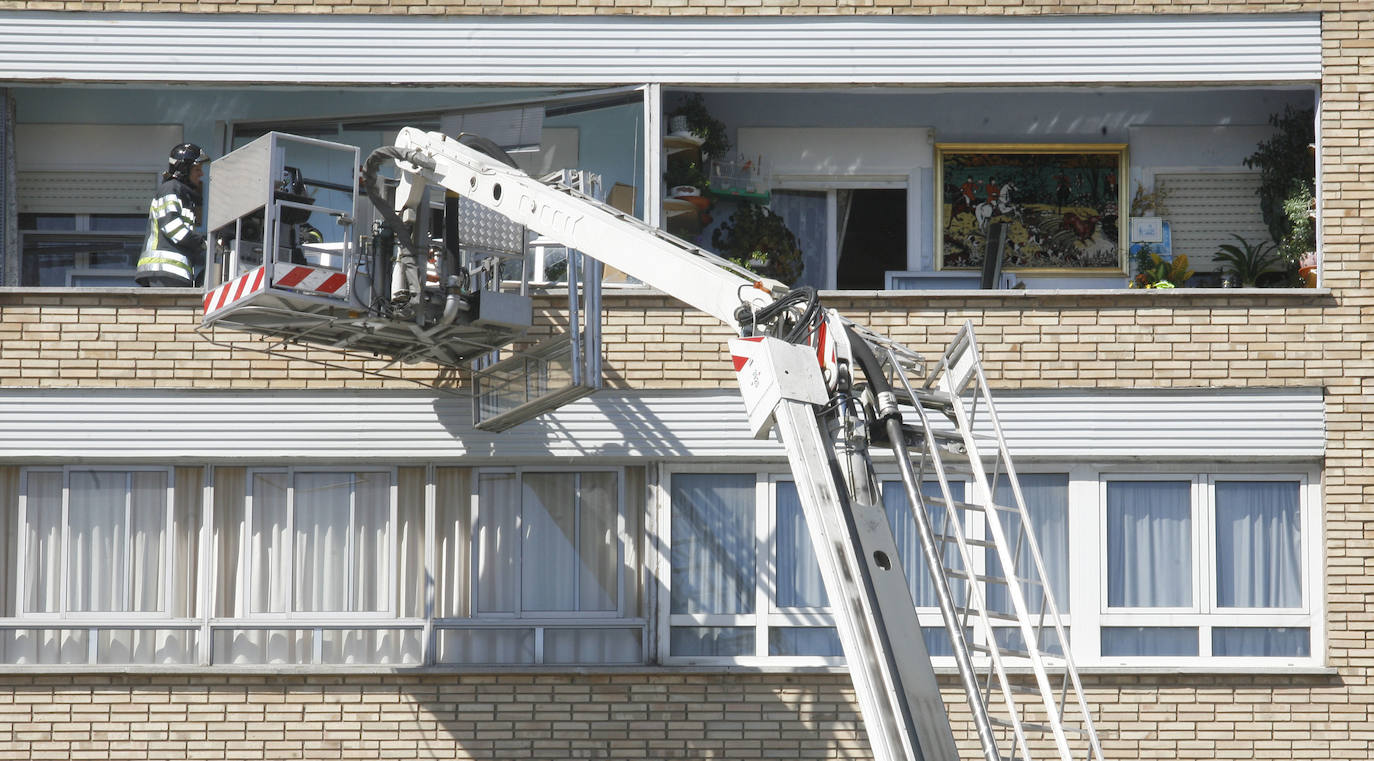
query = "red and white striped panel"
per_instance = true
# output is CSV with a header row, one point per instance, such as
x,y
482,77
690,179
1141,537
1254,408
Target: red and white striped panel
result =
x,y
302,278
248,283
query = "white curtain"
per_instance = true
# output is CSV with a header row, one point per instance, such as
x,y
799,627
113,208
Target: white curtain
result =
x,y
42,542
548,546
1259,544
453,516
804,213
9,541
270,566
97,548
414,589
598,508
1149,544
497,544
370,533
713,553
799,583
903,525
1047,502
321,552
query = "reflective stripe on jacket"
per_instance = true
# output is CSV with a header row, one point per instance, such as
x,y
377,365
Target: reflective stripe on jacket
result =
x,y
172,247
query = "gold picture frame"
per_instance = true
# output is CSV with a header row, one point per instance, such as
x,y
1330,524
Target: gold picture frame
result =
x,y
1061,203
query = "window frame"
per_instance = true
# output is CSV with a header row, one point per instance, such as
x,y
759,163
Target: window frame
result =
x,y
64,612
81,232
1205,614
830,186
624,552
247,554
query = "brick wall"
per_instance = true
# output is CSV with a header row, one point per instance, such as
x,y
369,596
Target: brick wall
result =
x,y
615,716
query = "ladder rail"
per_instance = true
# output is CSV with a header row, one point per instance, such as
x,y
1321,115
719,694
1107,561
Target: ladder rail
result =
x,y
976,375
974,594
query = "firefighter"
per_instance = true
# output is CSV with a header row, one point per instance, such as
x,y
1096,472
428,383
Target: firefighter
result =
x,y
173,249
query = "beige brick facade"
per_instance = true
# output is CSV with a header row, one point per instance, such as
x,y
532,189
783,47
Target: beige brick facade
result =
x,y
1118,340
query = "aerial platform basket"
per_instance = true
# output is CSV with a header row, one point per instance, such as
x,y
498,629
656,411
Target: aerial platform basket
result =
x,y
301,256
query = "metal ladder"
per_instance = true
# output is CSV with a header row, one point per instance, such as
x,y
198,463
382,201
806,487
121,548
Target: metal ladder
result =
x,y
982,545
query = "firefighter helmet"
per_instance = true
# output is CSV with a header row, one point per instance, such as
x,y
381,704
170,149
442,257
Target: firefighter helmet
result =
x,y
183,157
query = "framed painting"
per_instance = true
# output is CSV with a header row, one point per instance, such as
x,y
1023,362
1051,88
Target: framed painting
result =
x,y
1061,205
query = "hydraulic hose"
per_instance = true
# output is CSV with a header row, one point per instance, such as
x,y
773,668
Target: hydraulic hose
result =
x,y
888,414
411,259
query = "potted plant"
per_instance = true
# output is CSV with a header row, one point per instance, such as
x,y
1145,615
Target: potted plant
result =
x,y
1288,171
692,114
1247,262
757,238
1154,271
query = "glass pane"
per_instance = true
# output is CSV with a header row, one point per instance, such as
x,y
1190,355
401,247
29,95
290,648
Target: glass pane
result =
x,y
147,541
154,646
370,534
804,640
1260,642
598,510
903,525
711,641
1121,641
1259,544
497,544
43,646
322,528
799,575
262,646
370,646
98,541
938,643
270,569
1047,502
488,646
57,262
1149,544
118,223
42,541
592,646
48,221
803,211
713,554
548,546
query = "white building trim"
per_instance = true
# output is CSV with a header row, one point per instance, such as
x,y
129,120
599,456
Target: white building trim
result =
x,y
233,48
344,427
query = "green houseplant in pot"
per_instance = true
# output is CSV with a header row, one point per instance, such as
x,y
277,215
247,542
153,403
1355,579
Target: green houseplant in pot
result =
x,y
1288,171
757,238
1247,262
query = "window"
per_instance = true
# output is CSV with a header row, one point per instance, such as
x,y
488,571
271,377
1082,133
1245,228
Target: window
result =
x,y
309,566
546,573
61,250
98,566
738,592
1206,566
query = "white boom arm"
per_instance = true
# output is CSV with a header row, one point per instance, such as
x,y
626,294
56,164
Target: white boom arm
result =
x,y
826,431
693,275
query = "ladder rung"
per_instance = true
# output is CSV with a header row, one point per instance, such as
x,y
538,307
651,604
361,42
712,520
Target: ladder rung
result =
x,y
1003,651
970,506
952,539
962,574
1035,726
992,614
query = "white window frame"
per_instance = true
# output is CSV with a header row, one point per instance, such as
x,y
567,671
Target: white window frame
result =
x,y
1204,614
831,187
1087,612
248,562
624,551
64,613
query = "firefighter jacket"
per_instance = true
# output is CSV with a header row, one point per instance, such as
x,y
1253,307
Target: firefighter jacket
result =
x,y
172,248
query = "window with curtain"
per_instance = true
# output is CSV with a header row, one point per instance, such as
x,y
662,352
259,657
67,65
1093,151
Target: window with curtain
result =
x,y
317,566
548,570
93,556
1241,597
745,580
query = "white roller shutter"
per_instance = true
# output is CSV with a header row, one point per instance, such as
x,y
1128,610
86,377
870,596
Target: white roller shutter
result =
x,y
1207,208
383,49
86,192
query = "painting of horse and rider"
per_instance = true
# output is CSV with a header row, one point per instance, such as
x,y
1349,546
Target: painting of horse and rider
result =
x,y
1061,205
